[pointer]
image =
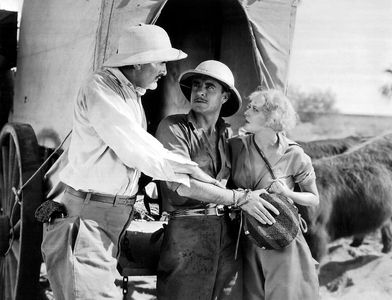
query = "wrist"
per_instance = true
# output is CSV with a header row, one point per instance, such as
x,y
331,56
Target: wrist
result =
x,y
288,193
244,198
236,198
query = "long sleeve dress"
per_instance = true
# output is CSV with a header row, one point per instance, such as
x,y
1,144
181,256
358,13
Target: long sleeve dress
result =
x,y
289,273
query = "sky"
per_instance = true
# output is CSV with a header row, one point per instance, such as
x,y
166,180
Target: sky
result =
x,y
344,46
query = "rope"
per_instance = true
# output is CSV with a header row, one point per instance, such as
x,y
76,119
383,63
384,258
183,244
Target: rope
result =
x,y
17,193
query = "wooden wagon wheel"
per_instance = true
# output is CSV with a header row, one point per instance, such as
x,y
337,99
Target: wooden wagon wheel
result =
x,y
20,234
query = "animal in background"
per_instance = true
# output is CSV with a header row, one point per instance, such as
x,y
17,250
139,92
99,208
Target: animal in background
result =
x,y
328,147
355,190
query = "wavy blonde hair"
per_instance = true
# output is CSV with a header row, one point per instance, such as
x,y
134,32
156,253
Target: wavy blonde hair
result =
x,y
277,108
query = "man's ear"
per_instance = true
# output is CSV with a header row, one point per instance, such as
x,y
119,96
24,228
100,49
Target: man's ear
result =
x,y
226,96
137,67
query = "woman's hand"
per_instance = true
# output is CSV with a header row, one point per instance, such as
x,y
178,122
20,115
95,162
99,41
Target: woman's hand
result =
x,y
278,186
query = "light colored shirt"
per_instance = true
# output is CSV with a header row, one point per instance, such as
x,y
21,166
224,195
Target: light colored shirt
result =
x,y
110,145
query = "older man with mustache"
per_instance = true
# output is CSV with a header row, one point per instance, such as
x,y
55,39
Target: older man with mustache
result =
x,y
109,149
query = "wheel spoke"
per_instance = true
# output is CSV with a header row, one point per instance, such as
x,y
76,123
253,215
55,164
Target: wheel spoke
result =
x,y
16,230
4,156
19,268
14,177
2,277
12,267
11,158
8,270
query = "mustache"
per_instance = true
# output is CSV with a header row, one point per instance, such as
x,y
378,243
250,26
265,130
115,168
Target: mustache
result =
x,y
159,76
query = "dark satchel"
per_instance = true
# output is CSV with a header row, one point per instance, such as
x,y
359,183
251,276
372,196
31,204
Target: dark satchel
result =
x,y
280,234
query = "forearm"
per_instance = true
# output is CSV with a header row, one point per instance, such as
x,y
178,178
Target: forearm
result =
x,y
206,192
308,196
303,198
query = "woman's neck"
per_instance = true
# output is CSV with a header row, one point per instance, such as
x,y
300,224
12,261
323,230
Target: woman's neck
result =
x,y
266,138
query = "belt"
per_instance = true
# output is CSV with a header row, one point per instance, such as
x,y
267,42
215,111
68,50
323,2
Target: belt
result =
x,y
209,211
104,198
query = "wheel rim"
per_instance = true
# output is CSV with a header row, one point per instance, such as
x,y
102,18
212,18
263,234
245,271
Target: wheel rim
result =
x,y
5,229
20,262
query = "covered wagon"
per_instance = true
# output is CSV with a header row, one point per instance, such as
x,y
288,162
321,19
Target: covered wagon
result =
x,y
60,42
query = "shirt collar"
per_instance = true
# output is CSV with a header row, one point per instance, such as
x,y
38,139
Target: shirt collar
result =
x,y
125,82
220,125
283,143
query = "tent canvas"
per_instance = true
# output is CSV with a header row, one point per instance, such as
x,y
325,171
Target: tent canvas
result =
x,y
62,41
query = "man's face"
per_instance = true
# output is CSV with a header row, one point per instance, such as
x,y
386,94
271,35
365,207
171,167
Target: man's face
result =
x,y
207,95
149,74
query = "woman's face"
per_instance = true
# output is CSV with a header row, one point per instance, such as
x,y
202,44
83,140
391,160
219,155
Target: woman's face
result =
x,y
255,118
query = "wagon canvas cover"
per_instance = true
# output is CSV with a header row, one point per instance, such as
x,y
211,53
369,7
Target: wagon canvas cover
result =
x,y
62,41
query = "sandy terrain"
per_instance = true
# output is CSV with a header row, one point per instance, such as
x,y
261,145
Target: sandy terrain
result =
x,y
362,273
346,273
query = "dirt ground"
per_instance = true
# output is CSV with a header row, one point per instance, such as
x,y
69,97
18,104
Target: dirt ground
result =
x,y
362,273
346,273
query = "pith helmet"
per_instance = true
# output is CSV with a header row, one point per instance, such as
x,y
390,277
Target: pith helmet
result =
x,y
142,44
218,71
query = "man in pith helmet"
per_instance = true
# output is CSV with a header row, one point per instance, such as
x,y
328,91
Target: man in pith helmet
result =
x,y
109,149
198,249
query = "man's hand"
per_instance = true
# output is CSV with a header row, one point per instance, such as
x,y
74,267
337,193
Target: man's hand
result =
x,y
258,208
200,175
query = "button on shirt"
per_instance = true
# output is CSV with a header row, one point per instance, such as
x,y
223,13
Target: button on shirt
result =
x,y
180,134
110,145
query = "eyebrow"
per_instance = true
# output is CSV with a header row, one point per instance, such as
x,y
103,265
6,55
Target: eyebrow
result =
x,y
210,83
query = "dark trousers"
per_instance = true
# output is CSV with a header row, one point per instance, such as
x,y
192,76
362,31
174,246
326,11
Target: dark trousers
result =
x,y
197,260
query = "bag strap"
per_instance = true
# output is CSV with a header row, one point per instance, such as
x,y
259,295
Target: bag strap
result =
x,y
264,158
302,223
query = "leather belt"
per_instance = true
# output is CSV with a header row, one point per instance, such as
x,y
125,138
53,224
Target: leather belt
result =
x,y
104,198
209,211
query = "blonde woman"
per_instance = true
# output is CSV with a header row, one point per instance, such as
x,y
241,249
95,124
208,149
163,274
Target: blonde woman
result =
x,y
290,273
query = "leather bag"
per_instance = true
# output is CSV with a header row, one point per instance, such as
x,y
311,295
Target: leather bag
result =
x,y
278,235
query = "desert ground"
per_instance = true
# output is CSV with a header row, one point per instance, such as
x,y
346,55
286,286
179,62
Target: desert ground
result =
x,y
346,273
